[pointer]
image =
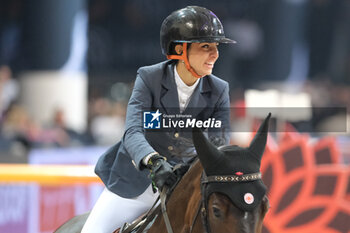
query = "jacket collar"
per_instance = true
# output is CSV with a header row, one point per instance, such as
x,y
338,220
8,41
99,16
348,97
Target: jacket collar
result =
x,y
170,99
168,80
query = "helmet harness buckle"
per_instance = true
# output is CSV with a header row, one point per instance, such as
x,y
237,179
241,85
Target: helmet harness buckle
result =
x,y
184,58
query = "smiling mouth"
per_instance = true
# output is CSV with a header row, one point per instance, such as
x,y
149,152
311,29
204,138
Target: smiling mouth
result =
x,y
210,65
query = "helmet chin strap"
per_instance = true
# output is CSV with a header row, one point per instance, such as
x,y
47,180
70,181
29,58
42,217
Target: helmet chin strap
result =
x,y
184,58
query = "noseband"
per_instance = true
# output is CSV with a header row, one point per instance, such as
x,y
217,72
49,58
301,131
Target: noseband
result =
x,y
205,180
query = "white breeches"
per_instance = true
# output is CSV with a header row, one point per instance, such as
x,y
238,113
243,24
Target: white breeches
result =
x,y
112,211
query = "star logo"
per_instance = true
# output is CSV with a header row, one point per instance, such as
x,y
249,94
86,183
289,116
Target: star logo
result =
x,y
151,120
156,115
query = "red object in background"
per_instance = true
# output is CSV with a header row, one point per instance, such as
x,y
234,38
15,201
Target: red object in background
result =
x,y
59,204
56,206
308,188
239,109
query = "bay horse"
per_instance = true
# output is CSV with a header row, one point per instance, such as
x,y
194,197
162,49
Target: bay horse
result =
x,y
221,193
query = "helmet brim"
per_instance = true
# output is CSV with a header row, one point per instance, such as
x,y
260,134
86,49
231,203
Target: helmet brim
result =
x,y
208,40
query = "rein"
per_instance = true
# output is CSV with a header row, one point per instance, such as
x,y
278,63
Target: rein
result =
x,y
139,225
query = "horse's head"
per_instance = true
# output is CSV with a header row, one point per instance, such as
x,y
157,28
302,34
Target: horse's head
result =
x,y
232,189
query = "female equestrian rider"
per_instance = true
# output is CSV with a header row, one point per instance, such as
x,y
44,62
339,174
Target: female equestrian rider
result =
x,y
182,84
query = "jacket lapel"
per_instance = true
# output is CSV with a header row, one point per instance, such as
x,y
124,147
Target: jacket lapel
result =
x,y
198,100
169,97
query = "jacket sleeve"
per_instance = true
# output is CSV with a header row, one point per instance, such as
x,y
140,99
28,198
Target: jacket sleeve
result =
x,y
222,113
134,138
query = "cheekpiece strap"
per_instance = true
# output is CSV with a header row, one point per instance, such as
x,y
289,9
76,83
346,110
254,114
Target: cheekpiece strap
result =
x,y
231,178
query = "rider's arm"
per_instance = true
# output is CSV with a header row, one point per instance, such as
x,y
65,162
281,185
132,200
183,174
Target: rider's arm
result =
x,y
134,139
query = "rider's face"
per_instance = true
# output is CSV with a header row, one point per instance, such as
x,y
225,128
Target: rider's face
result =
x,y
202,57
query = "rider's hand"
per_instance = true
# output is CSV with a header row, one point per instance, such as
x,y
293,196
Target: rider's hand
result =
x,y
161,172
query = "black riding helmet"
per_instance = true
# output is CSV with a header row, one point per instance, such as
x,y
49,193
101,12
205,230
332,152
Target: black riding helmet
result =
x,y
190,25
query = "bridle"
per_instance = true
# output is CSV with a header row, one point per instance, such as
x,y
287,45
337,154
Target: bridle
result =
x,y
205,180
202,208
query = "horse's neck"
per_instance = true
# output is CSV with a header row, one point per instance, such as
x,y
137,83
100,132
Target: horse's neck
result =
x,y
185,199
183,202
189,185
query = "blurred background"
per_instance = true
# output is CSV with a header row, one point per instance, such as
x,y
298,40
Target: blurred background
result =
x,y
67,70
67,67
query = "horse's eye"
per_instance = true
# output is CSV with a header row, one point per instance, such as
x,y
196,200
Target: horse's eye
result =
x,y
217,212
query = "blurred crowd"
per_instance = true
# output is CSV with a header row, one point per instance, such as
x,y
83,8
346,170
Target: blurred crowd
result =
x,y
105,119
20,132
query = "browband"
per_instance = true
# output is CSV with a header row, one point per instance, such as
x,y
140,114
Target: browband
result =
x,y
231,178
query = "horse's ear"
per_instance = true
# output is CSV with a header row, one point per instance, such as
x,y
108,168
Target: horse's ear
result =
x,y
257,146
207,153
